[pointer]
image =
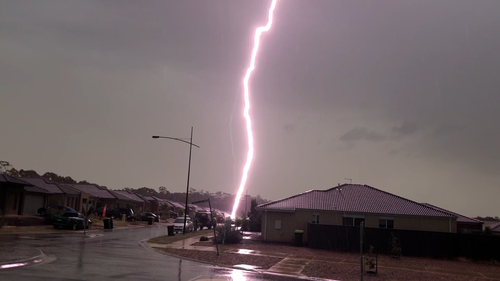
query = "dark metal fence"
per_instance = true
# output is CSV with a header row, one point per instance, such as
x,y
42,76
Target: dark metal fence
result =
x,y
412,243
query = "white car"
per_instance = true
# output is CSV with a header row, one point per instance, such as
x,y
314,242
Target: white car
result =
x,y
179,225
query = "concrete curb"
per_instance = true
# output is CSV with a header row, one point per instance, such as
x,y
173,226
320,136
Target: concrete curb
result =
x,y
42,258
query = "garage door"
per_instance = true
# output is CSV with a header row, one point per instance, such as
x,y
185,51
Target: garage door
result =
x,y
32,203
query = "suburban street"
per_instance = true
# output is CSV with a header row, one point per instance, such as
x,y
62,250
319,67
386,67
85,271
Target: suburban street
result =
x,y
114,255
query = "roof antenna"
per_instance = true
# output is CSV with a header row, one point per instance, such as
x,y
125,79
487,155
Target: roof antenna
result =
x,y
338,188
350,180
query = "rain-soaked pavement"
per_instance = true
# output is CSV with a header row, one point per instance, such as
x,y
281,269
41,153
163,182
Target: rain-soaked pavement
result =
x,y
114,255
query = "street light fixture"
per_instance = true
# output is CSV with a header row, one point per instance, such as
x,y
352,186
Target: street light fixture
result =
x,y
191,144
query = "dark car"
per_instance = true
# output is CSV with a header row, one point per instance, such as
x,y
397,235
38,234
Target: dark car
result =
x,y
144,216
72,220
55,210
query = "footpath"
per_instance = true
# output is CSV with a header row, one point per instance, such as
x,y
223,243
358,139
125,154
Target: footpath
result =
x,y
293,265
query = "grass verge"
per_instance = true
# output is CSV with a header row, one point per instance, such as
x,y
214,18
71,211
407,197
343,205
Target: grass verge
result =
x,y
171,239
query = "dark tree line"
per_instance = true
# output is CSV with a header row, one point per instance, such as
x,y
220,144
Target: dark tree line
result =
x,y
8,169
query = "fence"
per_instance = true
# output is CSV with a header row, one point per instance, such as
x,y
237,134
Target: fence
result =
x,y
412,243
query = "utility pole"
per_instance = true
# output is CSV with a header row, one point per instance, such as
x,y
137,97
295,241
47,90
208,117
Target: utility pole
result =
x,y
191,144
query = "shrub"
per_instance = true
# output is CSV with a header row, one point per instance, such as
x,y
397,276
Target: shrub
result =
x,y
396,249
238,222
204,238
370,261
245,225
225,235
488,231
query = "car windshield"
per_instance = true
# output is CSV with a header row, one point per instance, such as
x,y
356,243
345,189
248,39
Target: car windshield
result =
x,y
179,221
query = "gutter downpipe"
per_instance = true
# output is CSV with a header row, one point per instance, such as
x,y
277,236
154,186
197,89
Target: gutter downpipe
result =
x,y
265,225
450,224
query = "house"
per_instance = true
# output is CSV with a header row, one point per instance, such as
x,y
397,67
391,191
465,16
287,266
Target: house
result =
x,y
464,224
123,200
151,205
349,204
60,194
493,225
18,197
135,202
99,196
172,205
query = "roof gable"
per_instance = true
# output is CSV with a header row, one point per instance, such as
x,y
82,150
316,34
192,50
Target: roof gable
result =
x,y
14,180
94,190
460,218
353,198
40,182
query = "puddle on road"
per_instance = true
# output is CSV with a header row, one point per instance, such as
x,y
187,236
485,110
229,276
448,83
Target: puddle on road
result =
x,y
248,267
245,251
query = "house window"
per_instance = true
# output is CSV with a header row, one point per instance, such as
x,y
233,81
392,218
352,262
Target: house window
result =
x,y
386,223
315,218
277,224
348,221
352,221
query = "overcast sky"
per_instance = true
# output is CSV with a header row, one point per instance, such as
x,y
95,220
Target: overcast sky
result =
x,y
400,95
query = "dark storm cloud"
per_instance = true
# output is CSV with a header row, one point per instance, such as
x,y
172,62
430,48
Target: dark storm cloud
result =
x,y
417,79
357,134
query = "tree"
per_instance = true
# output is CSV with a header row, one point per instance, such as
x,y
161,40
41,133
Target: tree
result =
x,y
28,174
57,178
5,166
146,191
8,169
163,190
255,217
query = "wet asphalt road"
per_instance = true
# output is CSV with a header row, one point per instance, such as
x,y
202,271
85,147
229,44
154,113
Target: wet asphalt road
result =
x,y
114,255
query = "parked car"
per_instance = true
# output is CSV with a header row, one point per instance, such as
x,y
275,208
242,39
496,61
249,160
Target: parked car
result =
x,y
179,225
144,216
55,210
204,219
72,220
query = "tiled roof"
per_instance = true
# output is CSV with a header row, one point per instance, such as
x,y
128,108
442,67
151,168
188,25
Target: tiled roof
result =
x,y
460,218
496,228
68,189
53,187
36,189
125,195
9,179
493,225
174,204
353,198
94,190
40,182
130,195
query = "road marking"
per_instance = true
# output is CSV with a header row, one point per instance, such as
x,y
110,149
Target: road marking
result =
x,y
195,278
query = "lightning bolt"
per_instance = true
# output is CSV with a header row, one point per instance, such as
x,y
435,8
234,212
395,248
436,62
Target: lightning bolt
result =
x,y
246,95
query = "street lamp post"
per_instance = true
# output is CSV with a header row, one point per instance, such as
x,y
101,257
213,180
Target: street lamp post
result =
x,y
191,144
